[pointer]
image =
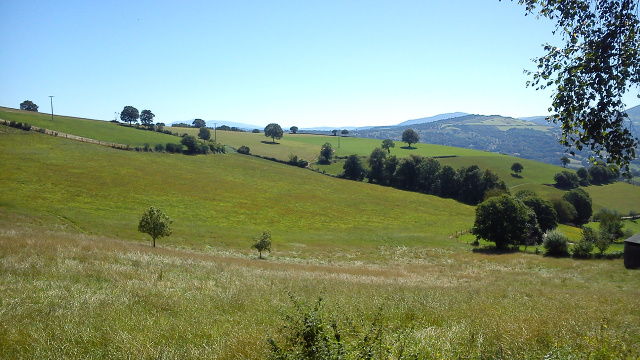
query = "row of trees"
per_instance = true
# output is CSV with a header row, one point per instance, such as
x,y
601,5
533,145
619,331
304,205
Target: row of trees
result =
x,y
597,174
421,174
130,114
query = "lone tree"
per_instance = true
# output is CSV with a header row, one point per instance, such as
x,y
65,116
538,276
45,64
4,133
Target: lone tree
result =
x,y
129,114
146,117
344,132
334,132
387,144
204,133
565,161
410,137
326,154
503,220
274,131
517,168
155,223
199,123
262,243
293,129
28,105
590,73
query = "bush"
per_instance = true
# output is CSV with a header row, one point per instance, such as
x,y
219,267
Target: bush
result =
x,y
556,244
173,148
159,148
583,248
581,201
603,241
244,150
566,180
295,161
353,169
217,148
565,210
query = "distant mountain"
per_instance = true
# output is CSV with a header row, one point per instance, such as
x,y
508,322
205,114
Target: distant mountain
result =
x,y
433,118
634,115
540,120
210,123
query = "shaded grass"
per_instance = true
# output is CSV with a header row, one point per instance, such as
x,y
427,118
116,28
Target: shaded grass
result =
x,y
93,129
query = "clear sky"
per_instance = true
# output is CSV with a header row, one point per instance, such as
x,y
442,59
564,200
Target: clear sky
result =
x,y
304,63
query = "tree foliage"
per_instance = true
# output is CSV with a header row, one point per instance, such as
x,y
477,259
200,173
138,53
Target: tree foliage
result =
x,y
146,117
204,133
581,201
376,166
503,220
155,223
274,131
262,243
597,64
565,161
353,168
545,213
129,114
517,168
28,105
410,136
566,180
293,129
199,123
387,144
326,154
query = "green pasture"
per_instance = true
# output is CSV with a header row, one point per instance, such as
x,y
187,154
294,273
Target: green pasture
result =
x,y
216,200
93,129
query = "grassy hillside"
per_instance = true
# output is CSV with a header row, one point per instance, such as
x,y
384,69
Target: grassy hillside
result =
x,y
221,200
94,129
77,296
536,176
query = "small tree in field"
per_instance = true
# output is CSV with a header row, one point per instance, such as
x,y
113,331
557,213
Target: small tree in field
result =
x,y
410,136
146,117
204,133
387,144
274,131
517,168
293,129
129,114
155,223
502,220
565,161
263,243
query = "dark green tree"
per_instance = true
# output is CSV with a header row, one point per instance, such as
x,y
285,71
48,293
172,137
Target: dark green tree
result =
x,y
204,133
410,136
353,168
428,170
274,131
581,201
334,132
326,154
566,211
471,191
376,166
344,132
597,63
583,176
387,144
566,180
129,114
293,129
191,143
545,213
449,182
502,220
199,123
517,168
155,223
146,117
610,223
390,167
28,105
565,161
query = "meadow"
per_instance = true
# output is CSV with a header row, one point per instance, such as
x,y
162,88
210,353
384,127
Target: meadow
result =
x,y
93,129
536,176
78,281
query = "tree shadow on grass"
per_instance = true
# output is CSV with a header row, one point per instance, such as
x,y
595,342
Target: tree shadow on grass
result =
x,y
517,176
269,142
492,250
408,147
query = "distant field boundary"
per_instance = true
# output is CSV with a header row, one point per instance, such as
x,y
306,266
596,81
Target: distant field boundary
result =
x,y
73,137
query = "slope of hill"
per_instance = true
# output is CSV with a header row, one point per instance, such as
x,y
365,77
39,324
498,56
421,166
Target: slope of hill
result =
x,y
433,118
214,200
94,129
212,123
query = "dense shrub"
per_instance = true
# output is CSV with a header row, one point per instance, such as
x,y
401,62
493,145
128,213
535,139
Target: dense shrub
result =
x,y
556,244
566,180
610,223
581,201
217,148
295,161
159,148
173,148
565,210
244,150
326,154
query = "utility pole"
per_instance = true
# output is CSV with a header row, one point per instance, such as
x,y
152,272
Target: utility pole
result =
x,y
51,97
215,133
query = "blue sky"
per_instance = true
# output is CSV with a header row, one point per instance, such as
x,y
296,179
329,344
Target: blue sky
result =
x,y
304,63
